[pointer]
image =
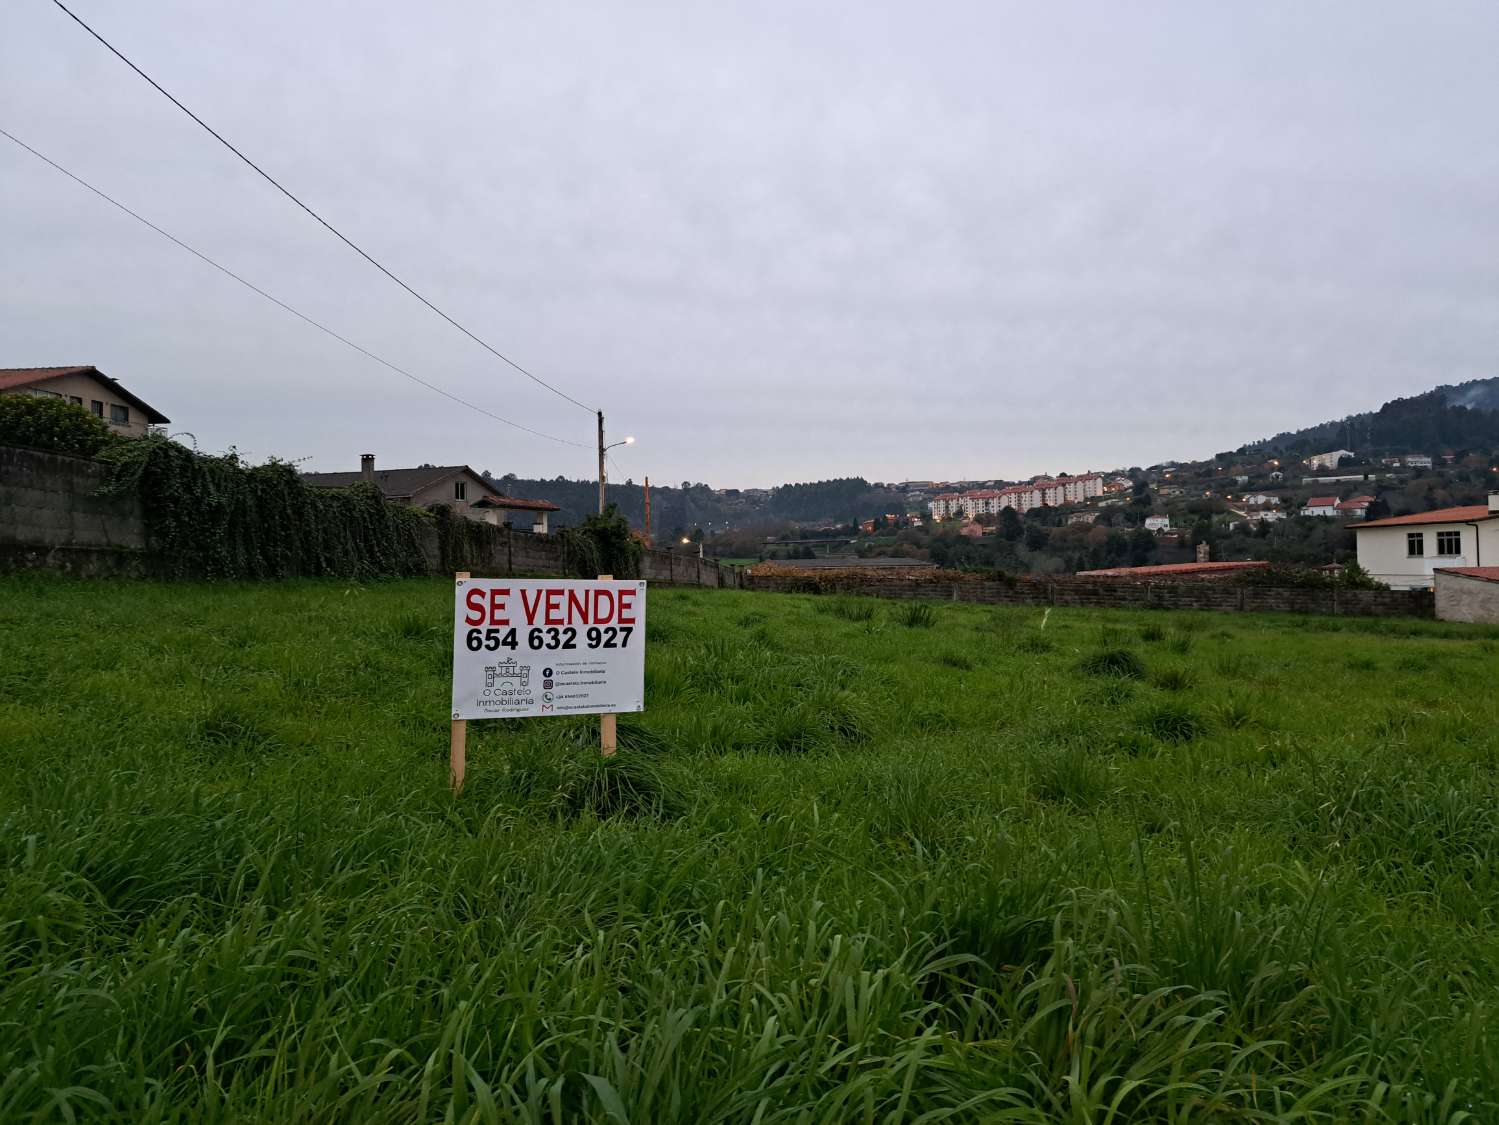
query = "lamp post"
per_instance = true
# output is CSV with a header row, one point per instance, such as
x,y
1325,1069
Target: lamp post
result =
x,y
603,449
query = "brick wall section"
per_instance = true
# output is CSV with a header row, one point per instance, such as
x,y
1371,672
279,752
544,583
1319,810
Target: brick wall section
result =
x,y
1118,595
52,518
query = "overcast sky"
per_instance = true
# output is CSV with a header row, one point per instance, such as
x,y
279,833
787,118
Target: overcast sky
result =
x,y
773,241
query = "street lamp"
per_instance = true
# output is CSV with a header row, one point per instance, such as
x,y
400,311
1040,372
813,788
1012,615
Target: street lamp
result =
x,y
603,449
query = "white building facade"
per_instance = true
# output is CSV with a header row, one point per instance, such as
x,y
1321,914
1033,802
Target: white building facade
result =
x,y
1021,497
1403,552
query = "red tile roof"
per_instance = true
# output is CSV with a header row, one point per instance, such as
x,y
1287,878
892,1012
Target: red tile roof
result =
x,y
25,376
1466,514
1487,573
1322,502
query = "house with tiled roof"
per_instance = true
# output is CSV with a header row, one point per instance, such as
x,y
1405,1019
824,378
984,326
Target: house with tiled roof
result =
x,y
1355,507
1404,552
86,386
466,492
1326,506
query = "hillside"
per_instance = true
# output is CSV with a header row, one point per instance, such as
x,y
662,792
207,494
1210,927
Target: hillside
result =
x,y
1446,417
691,505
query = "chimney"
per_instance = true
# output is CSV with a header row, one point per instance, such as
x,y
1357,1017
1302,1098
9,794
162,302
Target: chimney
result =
x,y
367,467
1494,503
1203,550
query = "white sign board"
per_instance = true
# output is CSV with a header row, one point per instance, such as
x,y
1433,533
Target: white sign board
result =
x,y
524,646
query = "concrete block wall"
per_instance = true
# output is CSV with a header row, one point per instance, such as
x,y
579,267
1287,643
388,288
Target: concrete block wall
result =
x,y
52,517
1462,597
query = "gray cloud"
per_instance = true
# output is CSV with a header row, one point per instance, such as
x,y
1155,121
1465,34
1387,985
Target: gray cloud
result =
x,y
774,241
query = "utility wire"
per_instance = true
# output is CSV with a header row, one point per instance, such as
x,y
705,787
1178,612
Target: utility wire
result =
x,y
280,303
331,228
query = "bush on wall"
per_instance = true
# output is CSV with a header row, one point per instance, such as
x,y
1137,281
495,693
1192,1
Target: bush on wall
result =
x,y
53,424
602,544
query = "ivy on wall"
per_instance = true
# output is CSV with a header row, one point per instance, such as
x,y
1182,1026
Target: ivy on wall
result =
x,y
218,517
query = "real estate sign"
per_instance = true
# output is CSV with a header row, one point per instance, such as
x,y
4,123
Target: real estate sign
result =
x,y
524,647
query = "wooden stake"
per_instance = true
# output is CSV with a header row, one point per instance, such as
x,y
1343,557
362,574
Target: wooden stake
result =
x,y
608,728
458,740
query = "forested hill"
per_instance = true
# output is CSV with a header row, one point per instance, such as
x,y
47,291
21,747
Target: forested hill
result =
x,y
688,505
1449,417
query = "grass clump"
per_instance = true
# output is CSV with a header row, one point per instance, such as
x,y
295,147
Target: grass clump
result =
x,y
1174,679
959,660
1172,722
917,615
1119,663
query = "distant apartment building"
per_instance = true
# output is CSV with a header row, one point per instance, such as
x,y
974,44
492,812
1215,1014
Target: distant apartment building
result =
x,y
1021,497
1417,461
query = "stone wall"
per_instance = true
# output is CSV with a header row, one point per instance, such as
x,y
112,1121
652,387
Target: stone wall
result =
x,y
1115,595
52,518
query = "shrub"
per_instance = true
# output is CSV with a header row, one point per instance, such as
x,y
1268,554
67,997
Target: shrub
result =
x,y
1119,663
602,544
1152,633
956,660
53,424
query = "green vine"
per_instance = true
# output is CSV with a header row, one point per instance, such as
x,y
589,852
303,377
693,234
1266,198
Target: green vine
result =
x,y
217,517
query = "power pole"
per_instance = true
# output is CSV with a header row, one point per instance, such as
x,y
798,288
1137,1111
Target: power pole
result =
x,y
601,462
647,511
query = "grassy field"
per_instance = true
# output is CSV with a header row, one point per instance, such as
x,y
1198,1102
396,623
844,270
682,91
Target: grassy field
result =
x,y
858,861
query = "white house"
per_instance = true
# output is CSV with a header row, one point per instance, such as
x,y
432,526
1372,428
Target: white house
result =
x,y
1259,499
1418,461
1404,551
1330,459
1157,523
1321,506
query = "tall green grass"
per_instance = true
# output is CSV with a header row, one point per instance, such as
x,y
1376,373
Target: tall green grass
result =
x,y
966,870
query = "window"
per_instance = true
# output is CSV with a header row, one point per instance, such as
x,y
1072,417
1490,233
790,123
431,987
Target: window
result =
x,y
460,488
97,407
39,393
1415,544
75,400
1449,542
119,414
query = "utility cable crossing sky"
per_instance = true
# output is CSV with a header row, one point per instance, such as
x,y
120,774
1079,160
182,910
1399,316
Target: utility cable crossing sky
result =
x,y
277,301
324,222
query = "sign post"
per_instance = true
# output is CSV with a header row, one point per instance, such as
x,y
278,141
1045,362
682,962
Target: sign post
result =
x,y
544,647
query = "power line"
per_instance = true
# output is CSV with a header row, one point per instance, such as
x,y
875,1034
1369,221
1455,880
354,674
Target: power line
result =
x,y
331,228
280,303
